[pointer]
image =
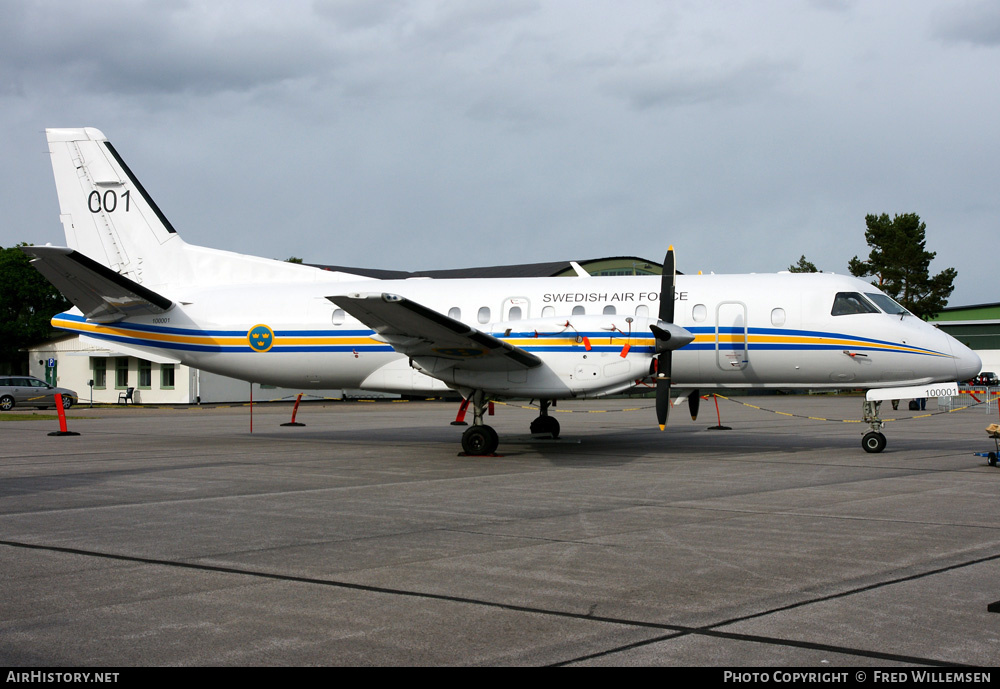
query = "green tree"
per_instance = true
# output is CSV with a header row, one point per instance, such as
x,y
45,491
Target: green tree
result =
x,y
900,264
27,304
293,259
803,266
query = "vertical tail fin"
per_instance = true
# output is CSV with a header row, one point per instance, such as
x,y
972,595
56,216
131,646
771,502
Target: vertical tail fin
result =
x,y
106,213
108,216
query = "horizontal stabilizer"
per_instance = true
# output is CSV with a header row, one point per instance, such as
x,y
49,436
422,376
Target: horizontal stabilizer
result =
x,y
422,333
100,293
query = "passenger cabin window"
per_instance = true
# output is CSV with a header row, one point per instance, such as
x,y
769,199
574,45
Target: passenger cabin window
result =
x,y
455,312
338,316
609,310
777,317
484,315
579,311
846,303
514,314
699,312
642,311
548,312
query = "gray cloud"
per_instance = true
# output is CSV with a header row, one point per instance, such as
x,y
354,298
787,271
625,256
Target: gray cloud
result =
x,y
661,86
977,23
157,47
439,133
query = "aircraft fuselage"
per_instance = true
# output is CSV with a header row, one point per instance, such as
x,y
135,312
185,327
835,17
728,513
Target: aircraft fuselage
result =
x,y
760,330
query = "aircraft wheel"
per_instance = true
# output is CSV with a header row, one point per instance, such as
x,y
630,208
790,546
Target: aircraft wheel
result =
x,y
480,440
991,459
545,425
6,403
873,442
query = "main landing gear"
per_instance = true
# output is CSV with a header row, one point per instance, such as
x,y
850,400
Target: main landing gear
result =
x,y
543,423
479,439
873,440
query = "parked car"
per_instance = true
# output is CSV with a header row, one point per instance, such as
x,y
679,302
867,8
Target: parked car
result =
x,y
988,378
31,392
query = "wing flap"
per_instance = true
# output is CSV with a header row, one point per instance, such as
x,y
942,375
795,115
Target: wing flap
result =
x,y
103,295
422,333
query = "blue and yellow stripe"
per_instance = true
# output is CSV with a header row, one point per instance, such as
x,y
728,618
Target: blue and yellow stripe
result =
x,y
318,341
221,341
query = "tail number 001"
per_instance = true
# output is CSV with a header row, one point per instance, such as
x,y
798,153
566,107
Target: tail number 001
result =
x,y
107,202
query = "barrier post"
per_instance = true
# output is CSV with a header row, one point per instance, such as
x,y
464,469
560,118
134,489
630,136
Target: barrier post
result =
x,y
62,418
720,427
295,410
460,417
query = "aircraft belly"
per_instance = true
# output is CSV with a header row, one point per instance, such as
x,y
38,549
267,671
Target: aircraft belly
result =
x,y
398,376
818,369
560,377
302,370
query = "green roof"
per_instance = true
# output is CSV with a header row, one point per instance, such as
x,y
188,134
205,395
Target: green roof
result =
x,y
976,312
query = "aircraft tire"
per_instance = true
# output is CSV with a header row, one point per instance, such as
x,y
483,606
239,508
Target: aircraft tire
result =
x,y
991,459
480,440
545,425
873,442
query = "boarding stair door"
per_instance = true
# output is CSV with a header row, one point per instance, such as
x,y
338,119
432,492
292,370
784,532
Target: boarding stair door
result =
x,y
732,352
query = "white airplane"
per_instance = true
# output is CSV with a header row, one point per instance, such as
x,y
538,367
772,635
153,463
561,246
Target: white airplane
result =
x,y
135,283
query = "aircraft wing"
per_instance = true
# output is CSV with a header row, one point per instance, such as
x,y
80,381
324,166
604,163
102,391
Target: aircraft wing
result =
x,y
422,333
102,294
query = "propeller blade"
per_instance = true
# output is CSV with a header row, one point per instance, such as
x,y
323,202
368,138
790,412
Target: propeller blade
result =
x,y
694,399
663,389
663,337
667,283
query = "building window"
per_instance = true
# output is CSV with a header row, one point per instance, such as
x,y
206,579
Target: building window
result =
x,y
145,374
100,373
167,376
121,372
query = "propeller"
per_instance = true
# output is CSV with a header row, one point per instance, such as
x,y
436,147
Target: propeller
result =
x,y
694,399
668,338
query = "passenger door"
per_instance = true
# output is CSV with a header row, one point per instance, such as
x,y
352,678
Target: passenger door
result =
x,y
732,351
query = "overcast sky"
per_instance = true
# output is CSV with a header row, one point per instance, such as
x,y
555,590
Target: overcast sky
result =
x,y
444,133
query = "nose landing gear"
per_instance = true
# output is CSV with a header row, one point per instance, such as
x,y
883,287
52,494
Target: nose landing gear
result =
x,y
873,441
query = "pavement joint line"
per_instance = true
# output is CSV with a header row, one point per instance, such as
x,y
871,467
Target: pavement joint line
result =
x,y
676,631
713,629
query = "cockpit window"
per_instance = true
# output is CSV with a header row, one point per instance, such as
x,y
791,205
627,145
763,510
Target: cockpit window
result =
x,y
887,304
847,303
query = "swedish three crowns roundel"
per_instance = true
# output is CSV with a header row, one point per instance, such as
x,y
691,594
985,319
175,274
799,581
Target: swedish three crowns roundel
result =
x,y
261,338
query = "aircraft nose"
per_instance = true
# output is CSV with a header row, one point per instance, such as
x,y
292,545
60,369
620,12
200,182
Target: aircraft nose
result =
x,y
967,362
